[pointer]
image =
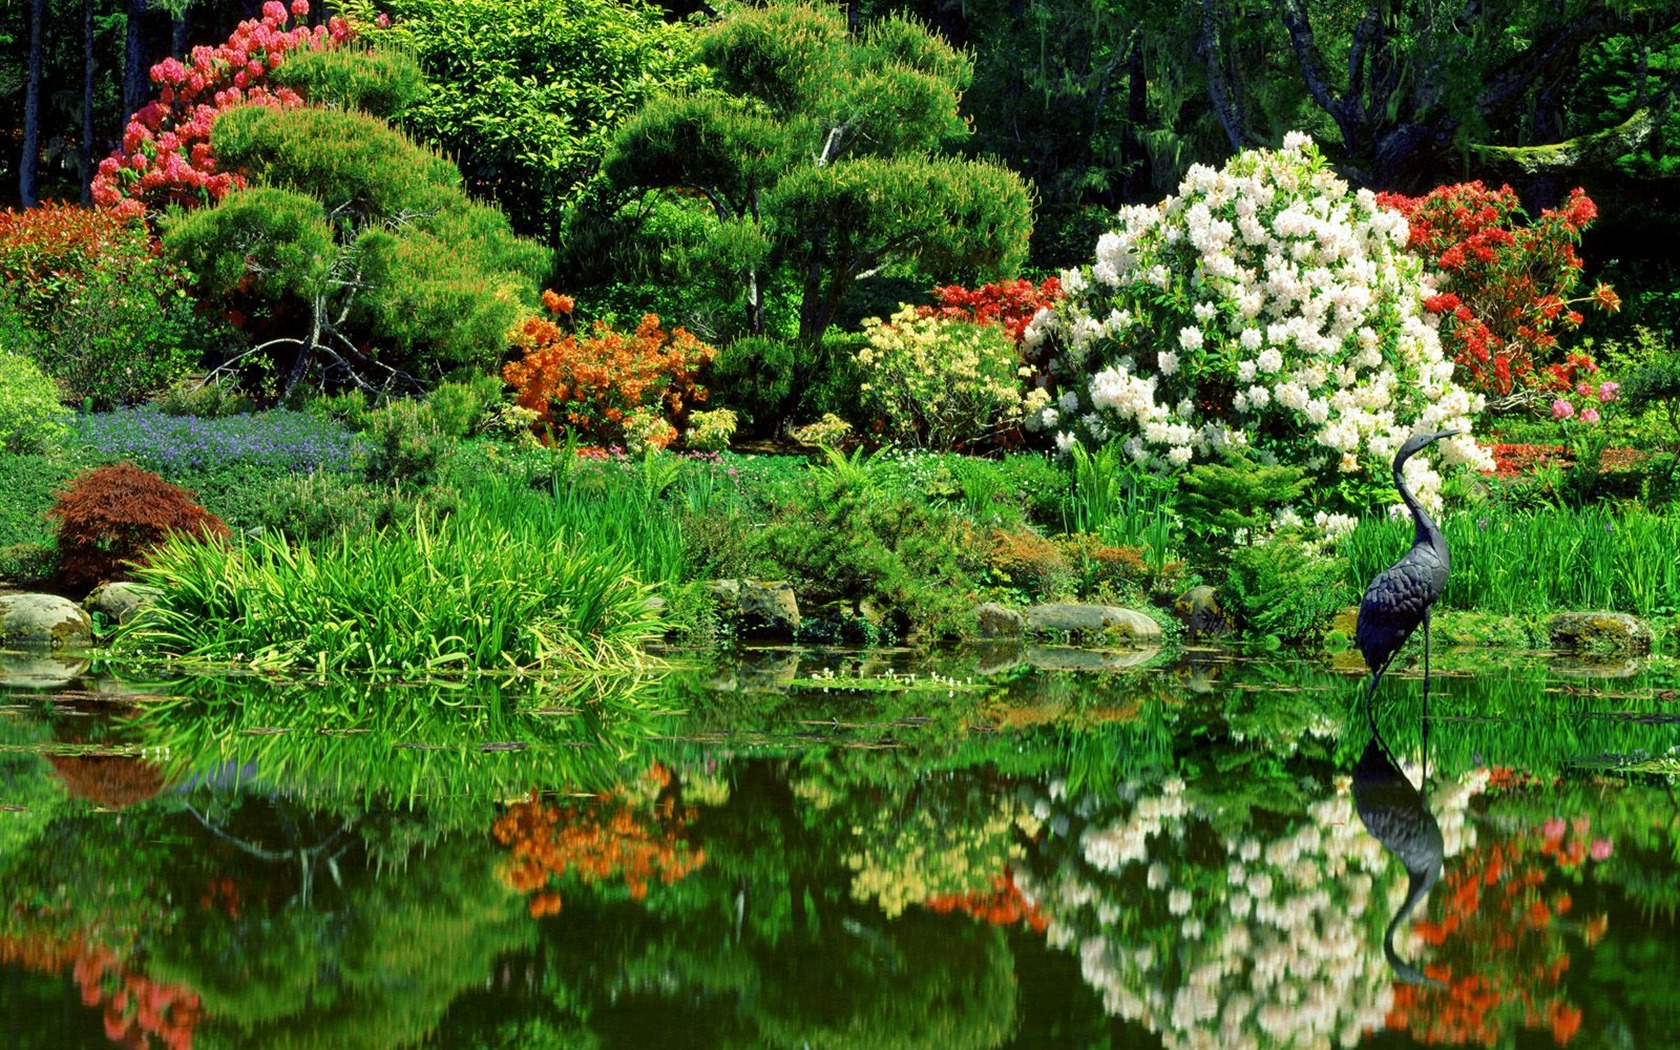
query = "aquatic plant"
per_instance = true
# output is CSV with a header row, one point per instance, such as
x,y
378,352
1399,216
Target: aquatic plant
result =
x,y
475,592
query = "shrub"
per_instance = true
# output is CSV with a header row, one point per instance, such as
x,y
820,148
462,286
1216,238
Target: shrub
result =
x,y
380,83
96,305
1012,304
1285,588
206,400
113,515
1265,305
1505,284
26,538
710,431
407,281
31,418
613,388
406,444
939,383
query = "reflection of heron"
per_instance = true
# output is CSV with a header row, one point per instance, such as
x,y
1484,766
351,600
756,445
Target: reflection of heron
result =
x,y
1401,595
1393,811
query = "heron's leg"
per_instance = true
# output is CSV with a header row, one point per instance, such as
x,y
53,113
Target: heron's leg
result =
x,y
1423,787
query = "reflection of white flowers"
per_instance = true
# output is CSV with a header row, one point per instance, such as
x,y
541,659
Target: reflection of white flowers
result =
x,y
1284,946
1295,278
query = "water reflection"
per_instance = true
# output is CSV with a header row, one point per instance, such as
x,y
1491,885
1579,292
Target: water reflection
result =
x,y
1395,813
1172,857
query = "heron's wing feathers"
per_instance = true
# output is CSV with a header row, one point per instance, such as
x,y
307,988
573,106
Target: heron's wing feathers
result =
x,y
1393,606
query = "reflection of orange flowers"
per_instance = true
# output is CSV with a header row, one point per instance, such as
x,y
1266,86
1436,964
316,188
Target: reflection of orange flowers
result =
x,y
609,838
1500,938
136,1009
1003,906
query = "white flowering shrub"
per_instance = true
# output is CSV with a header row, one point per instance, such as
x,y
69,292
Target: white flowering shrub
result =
x,y
1229,938
1265,305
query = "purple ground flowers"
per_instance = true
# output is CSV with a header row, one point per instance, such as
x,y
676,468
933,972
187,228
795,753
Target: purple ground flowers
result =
x,y
293,441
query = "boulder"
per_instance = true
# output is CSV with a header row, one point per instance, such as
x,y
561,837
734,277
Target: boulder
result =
x,y
1109,621
43,621
118,601
1599,632
1199,610
767,607
992,620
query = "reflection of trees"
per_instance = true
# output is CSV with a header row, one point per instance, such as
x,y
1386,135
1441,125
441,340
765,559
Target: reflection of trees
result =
x,y
376,965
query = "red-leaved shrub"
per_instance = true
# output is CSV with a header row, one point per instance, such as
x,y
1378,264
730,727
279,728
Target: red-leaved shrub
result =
x,y
113,515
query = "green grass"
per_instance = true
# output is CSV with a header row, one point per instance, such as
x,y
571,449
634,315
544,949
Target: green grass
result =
x,y
492,586
1540,561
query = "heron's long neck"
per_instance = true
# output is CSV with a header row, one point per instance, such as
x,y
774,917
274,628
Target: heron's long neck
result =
x,y
1424,529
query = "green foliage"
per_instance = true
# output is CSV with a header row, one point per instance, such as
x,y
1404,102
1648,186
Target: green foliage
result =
x,y
357,248
475,592
462,407
1285,588
206,400
1521,561
382,82
1218,501
31,417
526,93
818,152
26,539
408,443
1654,384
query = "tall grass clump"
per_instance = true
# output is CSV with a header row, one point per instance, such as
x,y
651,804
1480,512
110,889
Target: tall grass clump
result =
x,y
1542,560
481,590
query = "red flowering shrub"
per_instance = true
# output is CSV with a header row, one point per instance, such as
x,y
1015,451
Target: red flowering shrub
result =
x,y
115,514
1011,304
92,301
1003,905
165,154
611,387
1508,283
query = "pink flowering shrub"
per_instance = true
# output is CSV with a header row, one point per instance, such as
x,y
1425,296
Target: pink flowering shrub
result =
x,y
165,154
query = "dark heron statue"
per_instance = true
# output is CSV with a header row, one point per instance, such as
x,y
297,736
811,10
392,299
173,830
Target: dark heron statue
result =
x,y
1400,598
1396,815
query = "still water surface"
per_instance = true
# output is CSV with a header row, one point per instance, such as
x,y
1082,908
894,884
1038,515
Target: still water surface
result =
x,y
983,855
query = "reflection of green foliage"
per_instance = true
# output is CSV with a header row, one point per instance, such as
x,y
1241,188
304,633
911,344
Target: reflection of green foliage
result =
x,y
378,971
24,782
346,744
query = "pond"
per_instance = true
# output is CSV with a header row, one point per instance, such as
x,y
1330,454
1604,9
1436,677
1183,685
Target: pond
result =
x,y
825,848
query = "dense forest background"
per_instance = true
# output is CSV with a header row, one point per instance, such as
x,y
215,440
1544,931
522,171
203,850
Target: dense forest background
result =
x,y
1103,103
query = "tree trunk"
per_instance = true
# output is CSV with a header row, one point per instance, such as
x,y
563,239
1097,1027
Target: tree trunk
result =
x,y
136,84
87,102
29,162
178,32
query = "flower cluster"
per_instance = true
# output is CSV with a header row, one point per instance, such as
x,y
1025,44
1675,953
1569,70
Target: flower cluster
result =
x,y
1506,286
1272,940
134,1008
1576,395
1011,304
1002,905
291,441
612,388
1500,953
613,838
938,382
165,154
1265,305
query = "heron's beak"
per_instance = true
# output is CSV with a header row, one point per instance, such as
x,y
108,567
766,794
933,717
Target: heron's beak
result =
x,y
1446,434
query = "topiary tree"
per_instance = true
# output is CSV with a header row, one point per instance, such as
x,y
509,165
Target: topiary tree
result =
x,y
356,249
31,419
821,157
115,514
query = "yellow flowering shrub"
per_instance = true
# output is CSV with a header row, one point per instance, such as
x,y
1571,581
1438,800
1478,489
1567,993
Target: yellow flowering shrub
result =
x,y
940,383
